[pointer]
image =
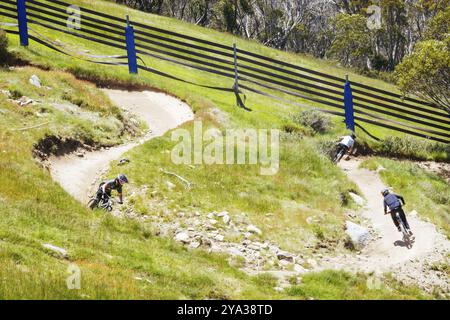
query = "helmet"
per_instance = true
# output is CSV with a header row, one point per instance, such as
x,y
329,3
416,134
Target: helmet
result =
x,y
385,191
122,178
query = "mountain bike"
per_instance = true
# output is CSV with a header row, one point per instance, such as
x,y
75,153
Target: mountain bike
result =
x,y
340,152
404,230
106,203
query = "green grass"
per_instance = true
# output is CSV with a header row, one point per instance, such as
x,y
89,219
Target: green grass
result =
x,y
423,191
335,285
113,252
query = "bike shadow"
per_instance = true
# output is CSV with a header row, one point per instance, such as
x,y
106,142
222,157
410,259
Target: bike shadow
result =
x,y
406,244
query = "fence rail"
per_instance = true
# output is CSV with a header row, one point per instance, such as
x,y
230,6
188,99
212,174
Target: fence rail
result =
x,y
248,71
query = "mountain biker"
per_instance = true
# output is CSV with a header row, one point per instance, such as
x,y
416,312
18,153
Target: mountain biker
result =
x,y
347,143
395,202
105,188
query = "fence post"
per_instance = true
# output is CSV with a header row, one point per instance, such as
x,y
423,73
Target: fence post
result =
x,y
236,82
131,48
239,101
348,105
22,19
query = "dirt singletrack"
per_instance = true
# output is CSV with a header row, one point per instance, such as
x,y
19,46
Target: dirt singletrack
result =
x,y
388,252
160,111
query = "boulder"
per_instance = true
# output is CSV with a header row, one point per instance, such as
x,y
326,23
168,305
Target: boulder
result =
x,y
194,244
226,219
170,185
211,215
356,198
235,252
281,255
59,251
299,269
182,237
222,214
253,229
35,81
359,236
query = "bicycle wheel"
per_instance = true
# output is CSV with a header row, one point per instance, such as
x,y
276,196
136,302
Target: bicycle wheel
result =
x,y
93,203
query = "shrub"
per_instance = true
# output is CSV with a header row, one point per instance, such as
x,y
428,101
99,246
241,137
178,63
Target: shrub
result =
x,y
411,148
3,47
327,148
317,121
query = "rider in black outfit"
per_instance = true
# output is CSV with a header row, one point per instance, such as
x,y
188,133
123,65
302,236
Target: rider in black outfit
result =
x,y
105,188
394,202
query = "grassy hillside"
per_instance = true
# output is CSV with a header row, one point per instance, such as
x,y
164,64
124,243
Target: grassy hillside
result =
x,y
122,258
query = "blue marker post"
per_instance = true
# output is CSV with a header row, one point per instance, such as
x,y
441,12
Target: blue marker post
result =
x,y
348,105
131,48
22,19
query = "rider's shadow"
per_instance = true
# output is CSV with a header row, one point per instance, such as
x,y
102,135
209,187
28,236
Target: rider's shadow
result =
x,y
406,244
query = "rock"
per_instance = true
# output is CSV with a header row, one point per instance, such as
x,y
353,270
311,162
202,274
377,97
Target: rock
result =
x,y
235,252
254,246
213,222
281,255
59,251
252,229
226,219
211,215
298,268
222,214
206,242
194,244
356,198
6,93
182,237
359,235
170,185
209,227
80,154
123,161
35,81
219,237
413,213
24,101
380,168
285,263
247,235
312,263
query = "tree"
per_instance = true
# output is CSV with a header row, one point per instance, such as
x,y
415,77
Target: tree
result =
x,y
426,72
439,26
352,44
